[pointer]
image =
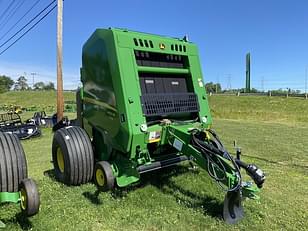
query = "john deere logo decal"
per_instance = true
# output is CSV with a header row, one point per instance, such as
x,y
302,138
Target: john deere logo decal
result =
x,y
162,46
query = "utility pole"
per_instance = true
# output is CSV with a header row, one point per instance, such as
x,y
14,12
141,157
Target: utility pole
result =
x,y
217,83
229,81
33,74
262,83
306,82
247,90
60,101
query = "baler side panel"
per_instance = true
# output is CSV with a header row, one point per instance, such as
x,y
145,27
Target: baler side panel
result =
x,y
101,87
131,91
197,80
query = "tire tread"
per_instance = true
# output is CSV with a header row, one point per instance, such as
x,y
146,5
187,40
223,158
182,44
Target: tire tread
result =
x,y
78,155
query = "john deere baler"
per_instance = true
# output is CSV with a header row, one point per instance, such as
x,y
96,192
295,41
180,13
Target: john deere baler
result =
x,y
144,107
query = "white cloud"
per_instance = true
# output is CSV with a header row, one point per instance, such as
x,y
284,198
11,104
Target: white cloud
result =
x,y
44,74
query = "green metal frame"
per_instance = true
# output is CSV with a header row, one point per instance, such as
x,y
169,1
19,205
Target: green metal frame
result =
x,y
12,197
180,137
9,197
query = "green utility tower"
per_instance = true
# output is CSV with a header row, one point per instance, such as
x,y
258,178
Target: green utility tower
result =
x,y
247,73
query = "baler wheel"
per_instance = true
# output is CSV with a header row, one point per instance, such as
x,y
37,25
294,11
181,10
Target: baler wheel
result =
x,y
104,178
30,200
13,166
72,156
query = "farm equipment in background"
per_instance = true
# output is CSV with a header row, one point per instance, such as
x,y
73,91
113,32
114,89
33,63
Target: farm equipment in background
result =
x,y
42,120
10,118
143,107
12,108
11,123
16,109
15,187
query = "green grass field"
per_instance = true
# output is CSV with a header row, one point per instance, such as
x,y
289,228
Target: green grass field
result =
x,y
272,133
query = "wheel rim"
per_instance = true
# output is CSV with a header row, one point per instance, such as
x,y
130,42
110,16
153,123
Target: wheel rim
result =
x,y
60,160
23,199
100,177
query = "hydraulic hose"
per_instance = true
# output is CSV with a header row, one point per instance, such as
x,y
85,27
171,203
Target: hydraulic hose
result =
x,y
211,153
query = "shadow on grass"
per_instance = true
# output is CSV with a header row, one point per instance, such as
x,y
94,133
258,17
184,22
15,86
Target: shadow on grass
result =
x,y
157,178
93,197
161,179
51,174
22,220
210,205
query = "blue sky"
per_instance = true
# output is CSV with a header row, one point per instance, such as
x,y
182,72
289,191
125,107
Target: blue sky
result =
x,y
275,32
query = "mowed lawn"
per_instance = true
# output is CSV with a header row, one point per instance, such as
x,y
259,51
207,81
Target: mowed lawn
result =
x,y
272,133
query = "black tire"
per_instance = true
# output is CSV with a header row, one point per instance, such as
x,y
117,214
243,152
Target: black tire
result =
x,y
73,145
103,177
30,199
13,165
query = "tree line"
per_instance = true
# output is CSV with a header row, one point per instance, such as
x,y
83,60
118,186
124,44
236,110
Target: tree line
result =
x,y
216,88
21,84
211,87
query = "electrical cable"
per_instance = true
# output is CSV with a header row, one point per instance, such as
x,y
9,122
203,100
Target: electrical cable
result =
x,y
6,10
29,23
21,18
29,29
10,16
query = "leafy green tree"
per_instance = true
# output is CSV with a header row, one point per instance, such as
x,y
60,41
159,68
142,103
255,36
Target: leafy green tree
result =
x,y
5,83
49,86
39,86
21,84
212,87
254,90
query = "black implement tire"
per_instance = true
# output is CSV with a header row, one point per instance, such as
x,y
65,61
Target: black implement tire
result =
x,y
72,156
13,165
103,177
30,199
